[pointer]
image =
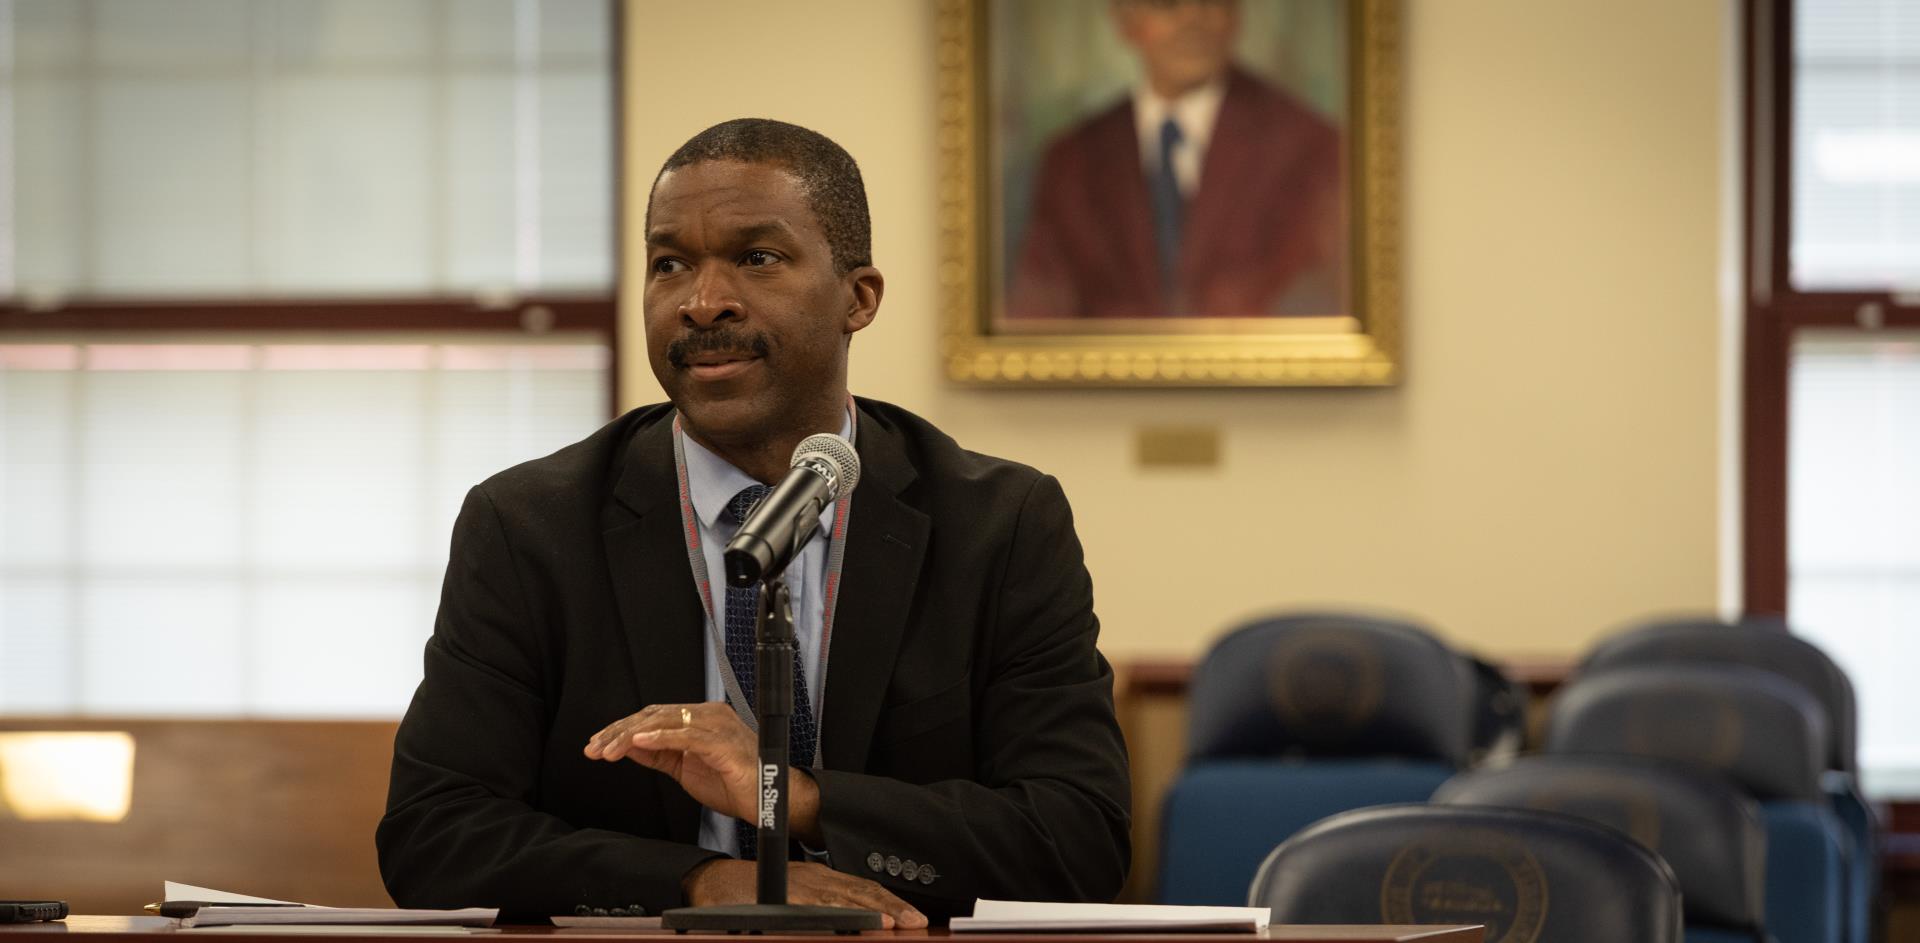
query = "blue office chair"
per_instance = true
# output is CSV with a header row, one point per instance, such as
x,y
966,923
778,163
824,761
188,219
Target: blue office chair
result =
x,y
1528,876
1764,642
1296,718
1702,825
1764,733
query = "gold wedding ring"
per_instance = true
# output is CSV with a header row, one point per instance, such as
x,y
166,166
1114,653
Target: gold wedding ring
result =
x,y
686,716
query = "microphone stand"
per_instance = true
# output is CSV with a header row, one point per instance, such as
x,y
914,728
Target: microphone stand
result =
x,y
773,705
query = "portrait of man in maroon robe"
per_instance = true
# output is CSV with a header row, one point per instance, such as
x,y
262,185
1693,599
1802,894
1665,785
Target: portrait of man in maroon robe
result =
x,y
1207,190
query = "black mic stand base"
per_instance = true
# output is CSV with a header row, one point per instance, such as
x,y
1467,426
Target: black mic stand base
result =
x,y
769,918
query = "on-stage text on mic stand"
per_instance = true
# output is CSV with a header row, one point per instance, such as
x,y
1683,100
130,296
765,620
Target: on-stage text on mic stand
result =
x,y
773,705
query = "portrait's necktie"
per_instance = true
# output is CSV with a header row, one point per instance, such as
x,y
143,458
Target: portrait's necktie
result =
x,y
743,614
1168,207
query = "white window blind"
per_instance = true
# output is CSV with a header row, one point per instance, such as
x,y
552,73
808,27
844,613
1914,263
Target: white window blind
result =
x,y
256,524
1856,145
253,148
1854,531
251,529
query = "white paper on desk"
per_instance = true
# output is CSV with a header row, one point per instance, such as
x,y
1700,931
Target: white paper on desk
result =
x,y
234,912
1013,915
178,891
337,916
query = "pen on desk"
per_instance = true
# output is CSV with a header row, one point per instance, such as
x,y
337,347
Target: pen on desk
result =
x,y
186,908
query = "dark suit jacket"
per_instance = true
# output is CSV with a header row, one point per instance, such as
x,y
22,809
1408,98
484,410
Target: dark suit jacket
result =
x,y
968,719
1262,233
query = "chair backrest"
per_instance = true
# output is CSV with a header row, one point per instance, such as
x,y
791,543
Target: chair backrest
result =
x,y
1221,817
1759,642
1528,876
1330,685
1706,828
1765,733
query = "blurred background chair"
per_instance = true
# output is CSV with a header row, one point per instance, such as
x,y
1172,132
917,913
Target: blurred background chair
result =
x,y
1766,734
1765,642
1528,876
1296,718
1705,828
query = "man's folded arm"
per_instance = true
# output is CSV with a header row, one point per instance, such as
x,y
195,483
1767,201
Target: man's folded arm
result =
x,y
460,829
1046,814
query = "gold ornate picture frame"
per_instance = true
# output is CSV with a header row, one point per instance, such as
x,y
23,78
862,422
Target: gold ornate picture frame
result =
x,y
1039,137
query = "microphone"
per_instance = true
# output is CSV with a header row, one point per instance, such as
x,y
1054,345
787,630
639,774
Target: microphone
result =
x,y
825,467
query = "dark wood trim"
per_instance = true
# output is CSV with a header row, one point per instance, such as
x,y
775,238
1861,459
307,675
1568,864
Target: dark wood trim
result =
x,y
1840,315
592,314
1764,347
1171,677
1541,676
617,239
1764,467
1155,677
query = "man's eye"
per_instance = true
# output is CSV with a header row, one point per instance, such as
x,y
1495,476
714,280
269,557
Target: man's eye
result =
x,y
759,257
668,266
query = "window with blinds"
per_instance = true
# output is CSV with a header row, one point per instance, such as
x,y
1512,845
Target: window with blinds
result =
x,y
1852,393
1856,145
251,529
203,519
306,147
1854,556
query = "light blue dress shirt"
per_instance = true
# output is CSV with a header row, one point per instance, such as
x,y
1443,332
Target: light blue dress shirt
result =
x,y
711,483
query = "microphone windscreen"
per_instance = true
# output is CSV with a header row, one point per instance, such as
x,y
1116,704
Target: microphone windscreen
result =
x,y
834,452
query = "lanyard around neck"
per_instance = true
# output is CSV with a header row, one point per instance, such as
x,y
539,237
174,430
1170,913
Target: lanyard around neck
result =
x,y
716,630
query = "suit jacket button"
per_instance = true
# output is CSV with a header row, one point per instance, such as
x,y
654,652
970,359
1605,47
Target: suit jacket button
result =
x,y
909,870
926,874
876,863
893,865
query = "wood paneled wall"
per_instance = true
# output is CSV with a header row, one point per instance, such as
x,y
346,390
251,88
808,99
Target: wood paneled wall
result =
x,y
280,809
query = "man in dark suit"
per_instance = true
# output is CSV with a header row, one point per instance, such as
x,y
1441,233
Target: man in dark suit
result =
x,y
1205,193
580,738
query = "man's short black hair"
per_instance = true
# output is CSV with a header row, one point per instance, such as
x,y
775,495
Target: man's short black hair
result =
x,y
827,174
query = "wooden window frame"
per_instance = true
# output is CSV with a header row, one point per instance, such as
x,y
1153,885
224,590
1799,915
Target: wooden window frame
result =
x,y
1775,310
534,316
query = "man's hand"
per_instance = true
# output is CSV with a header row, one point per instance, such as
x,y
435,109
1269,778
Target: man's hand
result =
x,y
712,755
726,881
704,747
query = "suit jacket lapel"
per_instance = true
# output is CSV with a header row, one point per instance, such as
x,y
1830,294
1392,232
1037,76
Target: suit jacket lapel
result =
x,y
661,618
1122,197
886,542
1230,162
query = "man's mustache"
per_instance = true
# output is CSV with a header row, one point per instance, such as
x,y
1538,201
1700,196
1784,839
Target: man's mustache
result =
x,y
740,343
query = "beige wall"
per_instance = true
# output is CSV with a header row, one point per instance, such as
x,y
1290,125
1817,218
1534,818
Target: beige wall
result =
x,y
1548,468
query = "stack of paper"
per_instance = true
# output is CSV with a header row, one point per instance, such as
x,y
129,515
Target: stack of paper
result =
x,y
233,911
1011,916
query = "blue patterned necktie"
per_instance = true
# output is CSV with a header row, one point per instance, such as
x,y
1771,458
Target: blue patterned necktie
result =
x,y
1168,207
743,616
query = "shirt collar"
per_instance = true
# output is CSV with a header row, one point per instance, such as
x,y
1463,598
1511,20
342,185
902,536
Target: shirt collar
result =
x,y
1196,111
712,481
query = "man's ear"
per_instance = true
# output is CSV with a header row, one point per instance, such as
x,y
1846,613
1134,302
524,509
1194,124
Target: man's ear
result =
x,y
867,286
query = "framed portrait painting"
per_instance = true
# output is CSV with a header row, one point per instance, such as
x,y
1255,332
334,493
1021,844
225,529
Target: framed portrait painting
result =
x,y
1170,192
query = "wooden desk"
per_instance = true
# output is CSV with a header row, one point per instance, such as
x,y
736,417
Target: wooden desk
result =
x,y
160,930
